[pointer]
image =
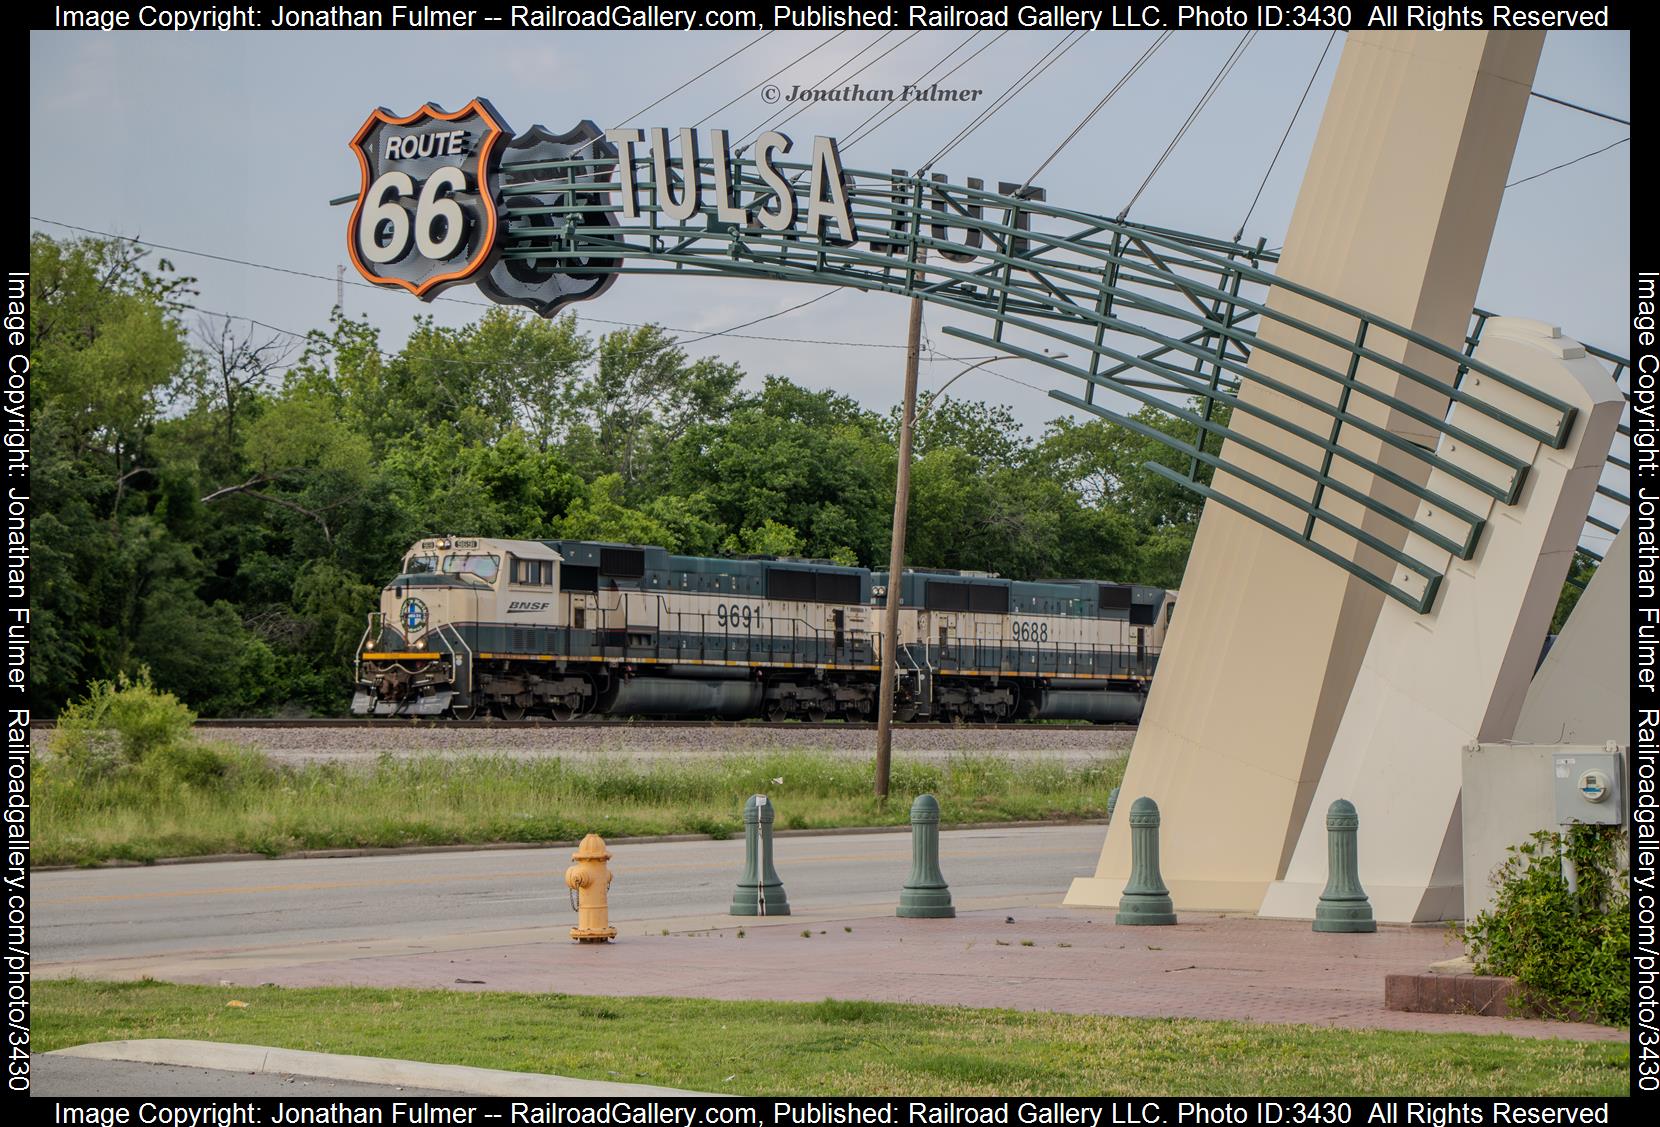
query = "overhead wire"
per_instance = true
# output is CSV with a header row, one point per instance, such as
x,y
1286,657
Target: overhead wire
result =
x,y
691,80
1228,64
1239,234
809,105
799,58
855,136
1577,106
332,280
1566,163
1090,116
1014,89
768,317
828,293
823,80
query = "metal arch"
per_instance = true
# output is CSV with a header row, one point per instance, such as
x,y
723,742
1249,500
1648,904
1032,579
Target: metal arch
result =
x,y
1157,312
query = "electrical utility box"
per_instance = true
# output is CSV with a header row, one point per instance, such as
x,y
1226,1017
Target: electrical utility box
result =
x,y
1590,786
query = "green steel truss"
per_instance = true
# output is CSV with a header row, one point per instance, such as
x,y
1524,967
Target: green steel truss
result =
x,y
1155,316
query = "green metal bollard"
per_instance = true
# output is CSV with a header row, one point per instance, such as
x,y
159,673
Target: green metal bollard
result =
x,y
1343,905
1145,900
760,892
925,895
1112,801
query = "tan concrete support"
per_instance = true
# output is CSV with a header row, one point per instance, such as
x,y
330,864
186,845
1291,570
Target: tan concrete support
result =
x,y
1582,693
1395,216
1432,683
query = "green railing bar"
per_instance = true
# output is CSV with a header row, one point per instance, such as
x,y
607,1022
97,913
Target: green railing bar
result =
x,y
1321,477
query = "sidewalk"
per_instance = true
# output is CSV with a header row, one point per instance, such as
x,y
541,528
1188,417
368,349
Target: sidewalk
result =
x,y
1206,967
164,1066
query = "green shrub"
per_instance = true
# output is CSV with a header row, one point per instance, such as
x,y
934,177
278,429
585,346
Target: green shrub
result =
x,y
1570,952
192,764
120,723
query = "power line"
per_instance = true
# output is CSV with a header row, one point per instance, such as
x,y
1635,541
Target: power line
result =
x,y
770,77
1580,108
691,80
768,317
1565,164
853,136
1215,84
1090,116
1239,234
456,300
809,105
907,105
1014,89
822,80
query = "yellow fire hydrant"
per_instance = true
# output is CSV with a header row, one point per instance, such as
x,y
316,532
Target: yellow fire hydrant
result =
x,y
590,878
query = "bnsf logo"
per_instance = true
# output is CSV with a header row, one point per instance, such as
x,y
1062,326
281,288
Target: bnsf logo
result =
x,y
525,608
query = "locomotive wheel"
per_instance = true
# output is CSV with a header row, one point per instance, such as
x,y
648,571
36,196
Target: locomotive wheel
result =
x,y
459,712
511,712
905,715
816,715
562,712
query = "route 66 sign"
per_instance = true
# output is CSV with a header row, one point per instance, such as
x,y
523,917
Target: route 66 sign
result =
x,y
547,283
429,213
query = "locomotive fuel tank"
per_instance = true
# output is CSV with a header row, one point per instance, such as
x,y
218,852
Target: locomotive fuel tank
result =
x,y
1097,707
671,696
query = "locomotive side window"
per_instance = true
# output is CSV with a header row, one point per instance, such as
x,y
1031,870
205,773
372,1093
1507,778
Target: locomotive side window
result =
x,y
483,566
532,573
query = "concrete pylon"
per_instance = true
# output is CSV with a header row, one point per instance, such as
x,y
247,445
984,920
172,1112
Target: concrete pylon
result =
x,y
1582,692
1432,683
1395,216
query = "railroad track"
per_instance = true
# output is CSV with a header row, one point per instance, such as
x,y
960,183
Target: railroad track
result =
x,y
390,722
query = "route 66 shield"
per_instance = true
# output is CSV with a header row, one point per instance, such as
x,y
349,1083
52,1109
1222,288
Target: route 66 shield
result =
x,y
429,213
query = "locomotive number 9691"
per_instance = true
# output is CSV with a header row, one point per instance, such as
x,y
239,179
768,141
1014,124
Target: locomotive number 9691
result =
x,y
737,615
1030,631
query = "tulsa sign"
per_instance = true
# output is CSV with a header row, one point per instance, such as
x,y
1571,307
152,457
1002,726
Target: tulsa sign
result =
x,y
533,218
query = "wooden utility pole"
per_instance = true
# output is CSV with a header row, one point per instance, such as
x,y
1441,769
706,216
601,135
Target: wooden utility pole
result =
x,y
896,556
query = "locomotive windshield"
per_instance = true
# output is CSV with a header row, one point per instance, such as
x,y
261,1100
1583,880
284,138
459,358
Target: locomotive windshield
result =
x,y
417,565
483,566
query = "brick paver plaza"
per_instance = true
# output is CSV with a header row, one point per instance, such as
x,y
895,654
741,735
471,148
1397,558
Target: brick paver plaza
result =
x,y
1208,966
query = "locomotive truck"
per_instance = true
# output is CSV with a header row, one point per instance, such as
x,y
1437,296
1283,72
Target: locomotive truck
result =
x,y
566,628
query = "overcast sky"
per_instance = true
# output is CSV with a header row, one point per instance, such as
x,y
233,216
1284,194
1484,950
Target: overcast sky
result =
x,y
232,144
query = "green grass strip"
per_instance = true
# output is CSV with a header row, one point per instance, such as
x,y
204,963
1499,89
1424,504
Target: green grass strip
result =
x,y
230,801
833,1047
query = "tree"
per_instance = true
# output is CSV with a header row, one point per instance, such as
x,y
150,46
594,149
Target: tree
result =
x,y
234,366
643,395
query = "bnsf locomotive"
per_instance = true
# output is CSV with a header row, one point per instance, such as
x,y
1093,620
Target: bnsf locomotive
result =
x,y
564,628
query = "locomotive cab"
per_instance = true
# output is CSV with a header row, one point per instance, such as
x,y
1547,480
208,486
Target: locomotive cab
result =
x,y
420,652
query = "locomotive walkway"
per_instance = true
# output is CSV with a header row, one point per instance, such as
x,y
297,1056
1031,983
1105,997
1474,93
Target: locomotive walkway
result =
x,y
495,921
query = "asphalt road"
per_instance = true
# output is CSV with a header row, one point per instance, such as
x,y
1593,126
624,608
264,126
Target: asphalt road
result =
x,y
174,920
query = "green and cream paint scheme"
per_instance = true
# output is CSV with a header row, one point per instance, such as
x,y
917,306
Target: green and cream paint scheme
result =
x,y
561,628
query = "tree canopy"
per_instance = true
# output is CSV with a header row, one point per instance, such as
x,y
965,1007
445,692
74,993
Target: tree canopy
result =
x,y
220,504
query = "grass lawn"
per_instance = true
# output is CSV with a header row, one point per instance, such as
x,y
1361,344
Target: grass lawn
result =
x,y
832,1047
231,801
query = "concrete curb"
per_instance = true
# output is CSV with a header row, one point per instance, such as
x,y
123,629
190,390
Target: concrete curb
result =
x,y
362,1070
486,847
